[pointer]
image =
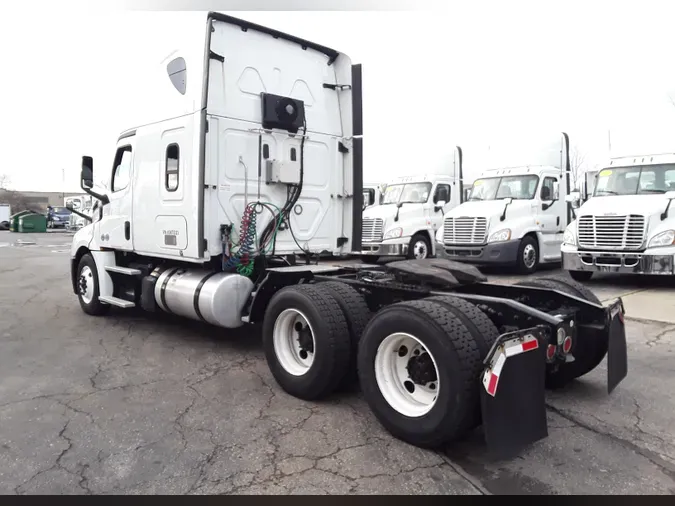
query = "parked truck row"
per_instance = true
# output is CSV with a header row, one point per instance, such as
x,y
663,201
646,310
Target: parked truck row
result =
x,y
218,207
524,214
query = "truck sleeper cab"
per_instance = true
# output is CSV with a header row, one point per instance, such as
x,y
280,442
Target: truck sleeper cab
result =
x,y
627,227
411,211
208,215
513,217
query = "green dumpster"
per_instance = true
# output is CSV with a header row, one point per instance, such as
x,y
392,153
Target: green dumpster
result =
x,y
33,223
14,220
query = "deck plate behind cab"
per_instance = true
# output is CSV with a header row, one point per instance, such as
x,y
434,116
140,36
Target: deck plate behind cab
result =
x,y
436,271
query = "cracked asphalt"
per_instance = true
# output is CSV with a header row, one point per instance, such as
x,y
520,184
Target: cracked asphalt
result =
x,y
149,404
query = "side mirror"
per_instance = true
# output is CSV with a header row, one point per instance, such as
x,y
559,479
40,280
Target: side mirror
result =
x,y
556,191
573,197
440,205
87,174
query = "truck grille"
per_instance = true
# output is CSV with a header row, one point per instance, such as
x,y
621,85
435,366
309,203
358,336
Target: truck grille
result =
x,y
612,232
464,230
372,230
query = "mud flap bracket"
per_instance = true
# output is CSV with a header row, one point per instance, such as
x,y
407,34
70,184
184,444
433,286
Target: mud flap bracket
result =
x,y
512,392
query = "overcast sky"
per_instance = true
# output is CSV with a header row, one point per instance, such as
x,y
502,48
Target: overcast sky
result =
x,y
454,75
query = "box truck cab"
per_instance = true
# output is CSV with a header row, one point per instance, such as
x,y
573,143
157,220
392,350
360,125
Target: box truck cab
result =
x,y
515,215
628,226
411,211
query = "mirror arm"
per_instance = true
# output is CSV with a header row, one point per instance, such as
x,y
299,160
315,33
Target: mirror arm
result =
x,y
82,215
103,198
503,216
664,214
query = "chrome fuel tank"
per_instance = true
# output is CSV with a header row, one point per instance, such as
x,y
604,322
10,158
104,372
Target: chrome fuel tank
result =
x,y
217,298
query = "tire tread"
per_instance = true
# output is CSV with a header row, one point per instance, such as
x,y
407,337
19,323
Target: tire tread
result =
x,y
337,339
461,420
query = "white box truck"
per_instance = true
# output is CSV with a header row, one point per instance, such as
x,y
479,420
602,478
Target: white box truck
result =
x,y
207,213
628,226
516,214
5,213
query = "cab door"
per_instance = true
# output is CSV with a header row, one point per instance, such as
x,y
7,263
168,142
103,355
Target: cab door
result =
x,y
551,216
115,224
441,194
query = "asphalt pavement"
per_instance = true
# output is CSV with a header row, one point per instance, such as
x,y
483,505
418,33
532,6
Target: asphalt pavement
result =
x,y
135,403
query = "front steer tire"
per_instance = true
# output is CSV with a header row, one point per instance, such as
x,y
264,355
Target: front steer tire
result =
x,y
528,243
453,349
588,351
332,345
87,268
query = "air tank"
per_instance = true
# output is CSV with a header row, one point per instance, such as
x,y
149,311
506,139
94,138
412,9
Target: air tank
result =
x,y
217,298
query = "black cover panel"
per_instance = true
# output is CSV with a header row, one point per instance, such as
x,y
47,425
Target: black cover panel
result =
x,y
436,271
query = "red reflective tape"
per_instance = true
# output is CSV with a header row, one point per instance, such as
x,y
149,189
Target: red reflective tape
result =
x,y
492,386
530,345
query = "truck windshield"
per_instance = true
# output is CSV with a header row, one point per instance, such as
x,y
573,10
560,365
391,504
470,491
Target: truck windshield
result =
x,y
637,180
495,188
414,193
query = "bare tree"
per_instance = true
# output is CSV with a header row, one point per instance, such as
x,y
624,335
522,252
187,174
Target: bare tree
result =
x,y
16,200
577,165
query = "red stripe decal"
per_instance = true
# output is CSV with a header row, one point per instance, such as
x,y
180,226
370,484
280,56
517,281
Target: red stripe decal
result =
x,y
530,345
492,386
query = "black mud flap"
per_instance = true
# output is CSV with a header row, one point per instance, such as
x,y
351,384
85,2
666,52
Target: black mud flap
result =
x,y
617,353
512,392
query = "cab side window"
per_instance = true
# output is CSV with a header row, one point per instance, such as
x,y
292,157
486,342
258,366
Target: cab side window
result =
x,y
442,193
548,189
171,176
368,197
122,169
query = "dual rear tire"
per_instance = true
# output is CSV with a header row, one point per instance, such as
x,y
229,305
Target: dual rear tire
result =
x,y
588,351
310,337
418,362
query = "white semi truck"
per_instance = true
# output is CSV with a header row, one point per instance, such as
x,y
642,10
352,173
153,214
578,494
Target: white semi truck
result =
x,y
411,211
628,226
515,215
255,164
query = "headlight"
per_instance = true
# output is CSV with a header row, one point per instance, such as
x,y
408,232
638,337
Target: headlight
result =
x,y
501,235
663,239
394,233
569,238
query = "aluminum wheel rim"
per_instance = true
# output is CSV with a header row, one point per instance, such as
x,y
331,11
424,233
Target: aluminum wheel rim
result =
x,y
393,379
420,250
529,256
86,284
295,358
